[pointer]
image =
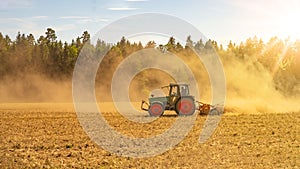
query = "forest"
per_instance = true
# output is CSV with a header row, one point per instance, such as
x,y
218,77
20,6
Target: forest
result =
x,y
54,59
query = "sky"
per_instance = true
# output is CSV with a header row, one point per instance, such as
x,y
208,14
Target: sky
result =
x,y
220,20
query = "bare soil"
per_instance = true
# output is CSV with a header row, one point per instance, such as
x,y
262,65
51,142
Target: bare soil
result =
x,y
49,135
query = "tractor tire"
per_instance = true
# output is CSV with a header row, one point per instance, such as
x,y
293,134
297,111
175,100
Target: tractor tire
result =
x,y
156,109
185,107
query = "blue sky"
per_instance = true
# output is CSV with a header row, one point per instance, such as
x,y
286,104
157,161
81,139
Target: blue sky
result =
x,y
221,20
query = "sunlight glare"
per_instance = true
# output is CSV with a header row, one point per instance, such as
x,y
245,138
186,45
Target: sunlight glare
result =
x,y
289,23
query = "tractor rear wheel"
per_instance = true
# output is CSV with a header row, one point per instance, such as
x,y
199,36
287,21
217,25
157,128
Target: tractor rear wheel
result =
x,y
156,109
185,106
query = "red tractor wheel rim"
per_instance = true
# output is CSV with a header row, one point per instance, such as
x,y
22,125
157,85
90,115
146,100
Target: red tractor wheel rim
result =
x,y
156,109
185,106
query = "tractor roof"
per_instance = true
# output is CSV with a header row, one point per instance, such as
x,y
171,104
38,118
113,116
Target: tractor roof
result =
x,y
178,84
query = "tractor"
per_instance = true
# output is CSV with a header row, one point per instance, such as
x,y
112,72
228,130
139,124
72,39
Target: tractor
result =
x,y
178,99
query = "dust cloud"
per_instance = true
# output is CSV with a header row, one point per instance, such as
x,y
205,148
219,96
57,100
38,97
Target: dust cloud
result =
x,y
251,89
250,86
34,88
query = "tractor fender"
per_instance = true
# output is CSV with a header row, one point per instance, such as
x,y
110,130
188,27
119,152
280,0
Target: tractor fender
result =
x,y
162,103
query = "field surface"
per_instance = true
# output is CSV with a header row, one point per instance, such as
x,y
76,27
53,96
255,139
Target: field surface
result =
x,y
49,135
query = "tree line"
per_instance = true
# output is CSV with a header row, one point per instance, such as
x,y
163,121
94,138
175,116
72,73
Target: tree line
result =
x,y
51,57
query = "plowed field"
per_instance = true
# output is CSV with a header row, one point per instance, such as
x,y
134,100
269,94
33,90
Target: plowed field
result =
x,y
49,135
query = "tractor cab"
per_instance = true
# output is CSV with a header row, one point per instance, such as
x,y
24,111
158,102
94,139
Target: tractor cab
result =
x,y
176,91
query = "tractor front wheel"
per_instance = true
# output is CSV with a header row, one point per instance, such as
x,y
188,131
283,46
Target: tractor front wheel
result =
x,y
156,109
185,107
